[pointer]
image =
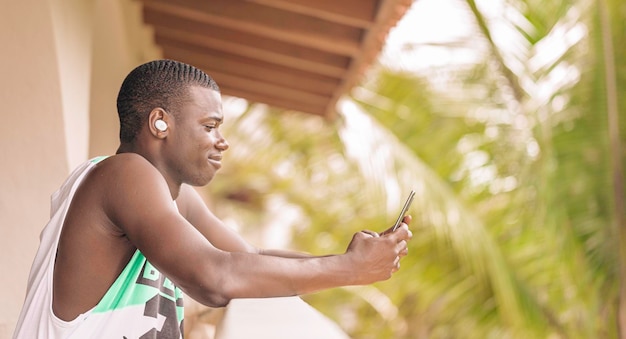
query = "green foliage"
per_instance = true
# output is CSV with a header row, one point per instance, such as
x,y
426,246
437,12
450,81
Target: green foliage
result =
x,y
515,220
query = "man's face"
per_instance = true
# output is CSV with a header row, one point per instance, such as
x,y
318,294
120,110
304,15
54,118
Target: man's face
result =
x,y
195,144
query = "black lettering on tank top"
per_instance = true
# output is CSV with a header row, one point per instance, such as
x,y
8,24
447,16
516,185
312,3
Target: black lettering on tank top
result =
x,y
160,305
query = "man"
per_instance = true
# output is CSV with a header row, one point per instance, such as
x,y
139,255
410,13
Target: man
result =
x,y
128,233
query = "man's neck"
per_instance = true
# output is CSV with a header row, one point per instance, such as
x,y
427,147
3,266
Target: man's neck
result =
x,y
174,187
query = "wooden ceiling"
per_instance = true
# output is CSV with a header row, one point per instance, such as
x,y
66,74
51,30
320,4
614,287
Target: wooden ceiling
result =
x,y
299,55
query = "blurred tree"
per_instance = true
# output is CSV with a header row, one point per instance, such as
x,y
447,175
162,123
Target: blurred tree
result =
x,y
519,215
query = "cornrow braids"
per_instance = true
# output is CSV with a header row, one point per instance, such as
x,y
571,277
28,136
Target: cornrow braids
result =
x,y
159,83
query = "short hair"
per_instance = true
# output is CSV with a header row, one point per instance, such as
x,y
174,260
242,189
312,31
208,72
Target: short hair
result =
x,y
158,83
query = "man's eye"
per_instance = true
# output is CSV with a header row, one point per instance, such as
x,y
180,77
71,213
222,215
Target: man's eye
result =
x,y
209,127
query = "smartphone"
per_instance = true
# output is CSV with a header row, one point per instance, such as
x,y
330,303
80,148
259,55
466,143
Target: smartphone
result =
x,y
408,202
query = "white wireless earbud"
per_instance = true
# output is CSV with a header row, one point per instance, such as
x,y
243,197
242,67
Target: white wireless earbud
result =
x,y
160,125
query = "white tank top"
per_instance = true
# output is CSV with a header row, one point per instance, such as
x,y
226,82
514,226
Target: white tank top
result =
x,y
141,303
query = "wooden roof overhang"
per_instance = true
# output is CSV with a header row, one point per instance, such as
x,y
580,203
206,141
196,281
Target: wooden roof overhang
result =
x,y
298,55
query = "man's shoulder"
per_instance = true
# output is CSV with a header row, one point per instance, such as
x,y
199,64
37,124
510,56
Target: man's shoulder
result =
x,y
119,185
121,172
123,159
124,165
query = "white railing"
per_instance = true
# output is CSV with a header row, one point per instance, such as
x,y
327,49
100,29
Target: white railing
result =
x,y
271,318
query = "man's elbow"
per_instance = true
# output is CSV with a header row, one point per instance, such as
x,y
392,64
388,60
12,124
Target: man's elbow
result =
x,y
209,296
210,290
215,300
215,284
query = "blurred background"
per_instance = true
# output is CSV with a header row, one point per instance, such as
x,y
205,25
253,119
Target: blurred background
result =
x,y
505,116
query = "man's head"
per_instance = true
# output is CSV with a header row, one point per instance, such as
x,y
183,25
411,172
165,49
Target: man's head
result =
x,y
159,83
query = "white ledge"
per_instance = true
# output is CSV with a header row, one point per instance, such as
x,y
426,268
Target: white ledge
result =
x,y
275,318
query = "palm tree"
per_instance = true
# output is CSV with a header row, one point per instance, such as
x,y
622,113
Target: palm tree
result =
x,y
553,223
519,214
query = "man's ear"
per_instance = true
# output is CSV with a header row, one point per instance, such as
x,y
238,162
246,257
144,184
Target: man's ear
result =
x,y
158,122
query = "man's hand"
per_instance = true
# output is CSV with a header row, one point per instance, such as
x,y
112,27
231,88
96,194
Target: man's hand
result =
x,y
405,220
375,257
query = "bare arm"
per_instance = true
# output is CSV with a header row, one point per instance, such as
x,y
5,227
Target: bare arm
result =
x,y
194,209
140,204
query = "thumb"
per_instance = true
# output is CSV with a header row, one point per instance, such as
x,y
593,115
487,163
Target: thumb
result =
x,y
370,233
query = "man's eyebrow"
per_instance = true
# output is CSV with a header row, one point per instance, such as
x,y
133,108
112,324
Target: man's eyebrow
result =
x,y
217,119
212,117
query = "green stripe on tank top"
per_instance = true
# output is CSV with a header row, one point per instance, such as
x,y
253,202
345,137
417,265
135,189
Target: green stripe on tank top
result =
x,y
98,159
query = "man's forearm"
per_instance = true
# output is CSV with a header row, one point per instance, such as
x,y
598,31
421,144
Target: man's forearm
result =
x,y
248,275
272,276
284,253
229,275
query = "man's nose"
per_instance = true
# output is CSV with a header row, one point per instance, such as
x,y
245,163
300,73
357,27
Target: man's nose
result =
x,y
222,144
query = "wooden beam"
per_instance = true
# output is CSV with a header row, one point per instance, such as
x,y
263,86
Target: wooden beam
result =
x,y
317,109
241,43
389,13
356,13
210,44
254,69
263,89
267,22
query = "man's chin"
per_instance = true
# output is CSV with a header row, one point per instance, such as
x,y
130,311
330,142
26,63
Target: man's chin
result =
x,y
199,182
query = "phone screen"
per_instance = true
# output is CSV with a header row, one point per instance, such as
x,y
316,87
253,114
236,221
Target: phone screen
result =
x,y
408,202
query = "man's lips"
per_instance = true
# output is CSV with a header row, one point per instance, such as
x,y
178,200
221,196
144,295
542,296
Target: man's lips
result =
x,y
216,160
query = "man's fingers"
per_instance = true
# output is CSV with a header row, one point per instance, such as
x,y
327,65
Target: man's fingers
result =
x,y
404,252
391,231
396,265
407,219
402,233
401,246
